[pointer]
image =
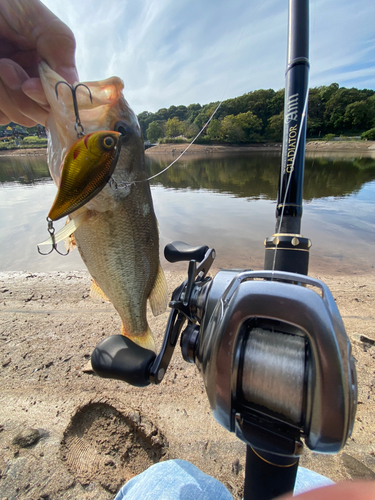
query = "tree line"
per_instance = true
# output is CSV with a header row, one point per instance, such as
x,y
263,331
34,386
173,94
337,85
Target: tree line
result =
x,y
257,116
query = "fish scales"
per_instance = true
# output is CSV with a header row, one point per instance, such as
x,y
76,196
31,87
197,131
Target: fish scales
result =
x,y
116,230
121,251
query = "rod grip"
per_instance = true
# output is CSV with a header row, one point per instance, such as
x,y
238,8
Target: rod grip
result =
x,y
268,476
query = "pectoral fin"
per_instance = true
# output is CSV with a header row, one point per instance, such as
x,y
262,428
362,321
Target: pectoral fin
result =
x,y
70,242
159,294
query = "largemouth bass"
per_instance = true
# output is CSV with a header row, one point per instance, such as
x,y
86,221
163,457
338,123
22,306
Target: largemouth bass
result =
x,y
116,231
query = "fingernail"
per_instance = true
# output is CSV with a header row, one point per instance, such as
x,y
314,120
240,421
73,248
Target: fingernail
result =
x,y
33,89
70,74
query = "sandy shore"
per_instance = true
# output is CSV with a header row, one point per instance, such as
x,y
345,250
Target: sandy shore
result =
x,y
198,149
24,152
319,146
93,434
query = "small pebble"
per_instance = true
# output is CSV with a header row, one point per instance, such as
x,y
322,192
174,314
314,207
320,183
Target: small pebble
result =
x,y
27,438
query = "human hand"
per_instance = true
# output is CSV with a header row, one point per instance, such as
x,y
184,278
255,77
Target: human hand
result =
x,y
29,33
364,490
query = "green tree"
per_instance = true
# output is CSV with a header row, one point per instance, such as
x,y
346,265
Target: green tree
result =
x,y
214,130
276,103
251,126
369,135
360,115
331,110
161,115
154,132
327,92
336,107
181,113
191,130
144,119
257,101
231,131
192,112
205,114
275,128
315,116
174,127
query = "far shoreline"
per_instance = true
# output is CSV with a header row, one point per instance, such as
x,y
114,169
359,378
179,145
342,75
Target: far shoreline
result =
x,y
23,152
352,147
339,147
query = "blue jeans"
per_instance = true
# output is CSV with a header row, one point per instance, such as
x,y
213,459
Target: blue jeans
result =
x,y
180,480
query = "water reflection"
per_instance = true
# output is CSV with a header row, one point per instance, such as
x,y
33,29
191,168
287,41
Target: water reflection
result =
x,y
256,175
225,202
252,176
24,169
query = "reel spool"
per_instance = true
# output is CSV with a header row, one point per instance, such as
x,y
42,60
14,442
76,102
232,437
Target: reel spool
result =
x,y
274,355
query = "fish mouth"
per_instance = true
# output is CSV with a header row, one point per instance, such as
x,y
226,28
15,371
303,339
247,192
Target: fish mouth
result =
x,y
102,109
85,172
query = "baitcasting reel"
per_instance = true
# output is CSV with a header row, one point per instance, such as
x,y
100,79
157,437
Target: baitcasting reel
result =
x,y
271,347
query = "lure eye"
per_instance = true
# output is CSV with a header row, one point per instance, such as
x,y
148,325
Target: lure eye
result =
x,y
108,142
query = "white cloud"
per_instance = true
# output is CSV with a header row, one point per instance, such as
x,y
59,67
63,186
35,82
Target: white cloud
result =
x,y
170,52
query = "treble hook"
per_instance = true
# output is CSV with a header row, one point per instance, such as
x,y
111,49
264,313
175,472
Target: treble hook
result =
x,y
51,231
73,89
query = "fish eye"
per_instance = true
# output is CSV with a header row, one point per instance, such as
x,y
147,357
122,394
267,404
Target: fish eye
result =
x,y
123,128
108,142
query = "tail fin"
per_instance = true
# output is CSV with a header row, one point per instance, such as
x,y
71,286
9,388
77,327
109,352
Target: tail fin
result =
x,y
144,340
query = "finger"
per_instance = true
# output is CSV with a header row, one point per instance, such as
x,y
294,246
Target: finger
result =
x,y
4,120
54,41
341,491
56,45
15,78
12,74
19,108
33,89
31,25
14,103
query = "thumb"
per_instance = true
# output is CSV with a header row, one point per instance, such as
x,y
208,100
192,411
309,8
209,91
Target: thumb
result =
x,y
33,27
56,45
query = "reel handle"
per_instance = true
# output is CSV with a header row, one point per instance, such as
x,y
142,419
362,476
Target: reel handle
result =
x,y
178,251
119,358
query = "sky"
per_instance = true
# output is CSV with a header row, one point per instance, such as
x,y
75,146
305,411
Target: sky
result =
x,y
172,52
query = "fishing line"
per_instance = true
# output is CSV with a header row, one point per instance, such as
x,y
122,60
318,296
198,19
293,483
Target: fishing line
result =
x,y
304,117
122,185
192,142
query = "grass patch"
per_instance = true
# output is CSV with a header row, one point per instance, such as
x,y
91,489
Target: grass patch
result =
x,y
25,143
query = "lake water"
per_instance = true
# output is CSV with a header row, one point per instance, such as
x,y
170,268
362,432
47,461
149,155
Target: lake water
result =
x,y
227,203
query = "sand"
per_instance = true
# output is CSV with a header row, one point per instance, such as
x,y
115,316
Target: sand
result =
x,y
93,434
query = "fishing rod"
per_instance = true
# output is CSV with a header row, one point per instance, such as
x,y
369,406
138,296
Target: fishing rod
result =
x,y
287,250
260,339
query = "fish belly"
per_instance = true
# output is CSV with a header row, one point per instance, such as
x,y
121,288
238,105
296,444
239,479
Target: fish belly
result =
x,y
121,251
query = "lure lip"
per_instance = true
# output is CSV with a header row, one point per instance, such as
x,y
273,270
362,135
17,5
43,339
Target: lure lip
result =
x,y
56,214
